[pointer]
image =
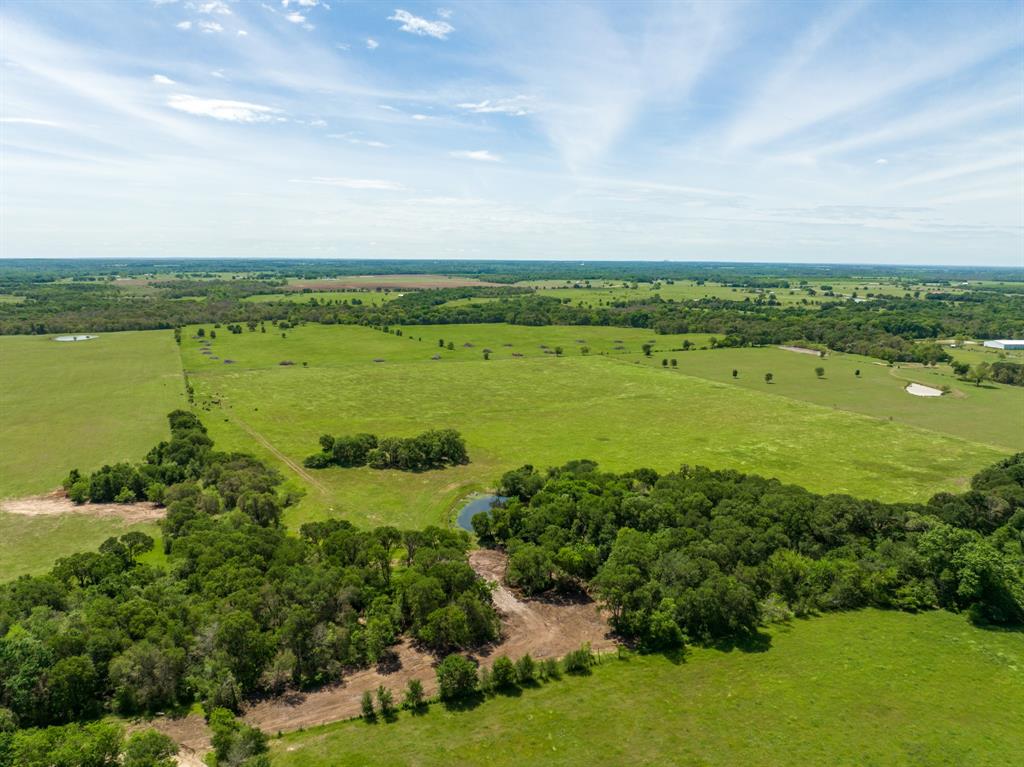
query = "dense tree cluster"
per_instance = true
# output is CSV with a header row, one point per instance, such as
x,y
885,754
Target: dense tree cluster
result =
x,y
241,608
99,744
432,449
712,554
189,477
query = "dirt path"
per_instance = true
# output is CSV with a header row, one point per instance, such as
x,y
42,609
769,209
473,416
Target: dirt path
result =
x,y
56,502
542,628
297,468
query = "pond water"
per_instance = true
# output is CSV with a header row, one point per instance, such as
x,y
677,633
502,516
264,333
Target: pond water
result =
x,y
475,506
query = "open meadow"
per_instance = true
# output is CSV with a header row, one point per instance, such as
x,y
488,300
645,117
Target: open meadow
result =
x,y
857,688
545,410
80,404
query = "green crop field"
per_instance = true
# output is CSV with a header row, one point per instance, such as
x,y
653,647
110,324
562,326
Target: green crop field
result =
x,y
861,688
538,409
79,404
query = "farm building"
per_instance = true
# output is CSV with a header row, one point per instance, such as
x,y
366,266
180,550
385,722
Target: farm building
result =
x,y
1005,343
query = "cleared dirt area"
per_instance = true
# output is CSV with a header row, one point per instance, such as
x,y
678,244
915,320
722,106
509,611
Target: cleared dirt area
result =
x,y
395,282
544,629
189,732
800,350
56,502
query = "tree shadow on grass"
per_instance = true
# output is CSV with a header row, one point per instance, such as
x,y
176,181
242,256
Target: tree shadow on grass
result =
x,y
756,642
466,703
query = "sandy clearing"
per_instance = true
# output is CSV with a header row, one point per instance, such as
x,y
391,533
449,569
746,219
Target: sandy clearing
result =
x,y
920,390
55,503
800,350
542,628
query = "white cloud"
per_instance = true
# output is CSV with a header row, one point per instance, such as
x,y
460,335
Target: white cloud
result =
x,y
421,117
375,184
318,123
480,155
223,109
444,13
419,26
372,44
387,107
964,169
214,6
162,80
210,26
881,161
515,107
219,74
362,142
186,25
242,33
30,121
295,18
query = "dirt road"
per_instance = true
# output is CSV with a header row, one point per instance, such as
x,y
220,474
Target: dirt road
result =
x,y
541,628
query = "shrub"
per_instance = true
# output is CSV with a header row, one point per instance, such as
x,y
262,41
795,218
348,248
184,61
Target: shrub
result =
x,y
456,678
503,673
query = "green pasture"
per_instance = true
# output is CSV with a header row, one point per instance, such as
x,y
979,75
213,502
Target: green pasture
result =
x,y
537,409
861,688
82,404
79,404
992,414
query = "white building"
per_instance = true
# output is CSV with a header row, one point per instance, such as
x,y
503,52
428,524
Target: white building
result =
x,y
1005,343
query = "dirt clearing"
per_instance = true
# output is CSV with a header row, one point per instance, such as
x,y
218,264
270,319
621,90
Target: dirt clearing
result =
x,y
544,629
800,350
56,503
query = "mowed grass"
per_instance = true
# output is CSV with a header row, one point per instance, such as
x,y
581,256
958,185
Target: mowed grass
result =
x,y
861,688
992,414
76,405
538,409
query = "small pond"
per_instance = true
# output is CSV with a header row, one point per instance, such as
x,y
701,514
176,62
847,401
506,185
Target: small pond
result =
x,y
475,506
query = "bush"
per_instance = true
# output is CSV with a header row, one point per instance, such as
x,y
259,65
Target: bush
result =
x,y
526,670
369,713
456,678
503,673
578,661
414,698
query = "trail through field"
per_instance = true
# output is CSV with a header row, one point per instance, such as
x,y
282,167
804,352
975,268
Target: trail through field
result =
x,y
297,468
544,629
56,502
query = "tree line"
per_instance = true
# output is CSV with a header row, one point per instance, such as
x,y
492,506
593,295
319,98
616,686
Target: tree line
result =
x,y
433,449
701,555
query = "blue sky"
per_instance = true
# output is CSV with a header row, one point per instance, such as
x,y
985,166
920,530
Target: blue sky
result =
x,y
852,132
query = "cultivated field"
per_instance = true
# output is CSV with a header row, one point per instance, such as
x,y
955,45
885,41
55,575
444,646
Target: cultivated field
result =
x,y
79,404
539,409
857,688
371,297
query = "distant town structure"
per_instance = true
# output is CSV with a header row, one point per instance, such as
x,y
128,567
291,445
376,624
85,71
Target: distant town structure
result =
x,y
1005,343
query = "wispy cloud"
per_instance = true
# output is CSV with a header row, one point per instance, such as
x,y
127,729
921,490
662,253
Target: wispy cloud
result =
x,y
224,109
214,6
372,44
184,25
480,155
417,25
30,121
359,141
162,80
295,17
516,106
210,27
370,184
964,169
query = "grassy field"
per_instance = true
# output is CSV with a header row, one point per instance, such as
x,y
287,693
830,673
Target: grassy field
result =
x,y
993,414
864,688
538,409
67,405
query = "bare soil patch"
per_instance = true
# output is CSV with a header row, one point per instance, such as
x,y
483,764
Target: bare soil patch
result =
x,y
800,350
190,733
57,502
542,628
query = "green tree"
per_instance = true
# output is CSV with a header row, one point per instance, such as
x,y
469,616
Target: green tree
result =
x,y
820,372
503,673
456,678
385,702
529,568
526,670
768,377
414,697
647,348
981,373
149,748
